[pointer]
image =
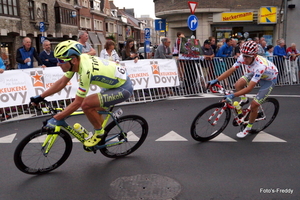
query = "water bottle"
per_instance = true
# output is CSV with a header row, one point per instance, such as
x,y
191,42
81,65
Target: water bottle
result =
x,y
29,63
80,129
238,109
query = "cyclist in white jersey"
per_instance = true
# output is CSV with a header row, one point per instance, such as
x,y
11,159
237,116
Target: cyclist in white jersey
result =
x,y
259,69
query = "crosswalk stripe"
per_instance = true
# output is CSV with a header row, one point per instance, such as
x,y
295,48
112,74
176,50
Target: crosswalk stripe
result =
x,y
171,136
223,138
265,137
8,138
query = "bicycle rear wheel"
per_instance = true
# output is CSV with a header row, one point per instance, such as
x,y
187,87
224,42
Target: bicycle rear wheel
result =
x,y
208,124
135,129
266,115
29,156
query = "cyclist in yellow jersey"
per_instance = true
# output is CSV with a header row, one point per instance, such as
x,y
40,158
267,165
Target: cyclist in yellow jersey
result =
x,y
92,70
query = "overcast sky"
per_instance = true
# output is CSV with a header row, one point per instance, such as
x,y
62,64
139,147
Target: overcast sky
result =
x,y
141,7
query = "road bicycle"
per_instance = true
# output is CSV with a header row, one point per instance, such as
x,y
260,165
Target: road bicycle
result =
x,y
213,119
42,151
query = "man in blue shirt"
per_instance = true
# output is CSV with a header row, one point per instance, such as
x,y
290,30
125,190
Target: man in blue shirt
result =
x,y
25,55
226,49
279,50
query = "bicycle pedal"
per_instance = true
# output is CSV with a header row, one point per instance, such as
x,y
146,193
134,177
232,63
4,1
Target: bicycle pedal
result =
x,y
87,149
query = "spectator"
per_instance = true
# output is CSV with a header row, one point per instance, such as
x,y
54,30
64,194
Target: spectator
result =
x,y
163,50
109,52
176,50
83,37
129,52
293,53
47,55
237,51
226,49
280,54
2,66
219,45
261,51
269,53
213,43
234,45
25,55
207,65
279,50
264,45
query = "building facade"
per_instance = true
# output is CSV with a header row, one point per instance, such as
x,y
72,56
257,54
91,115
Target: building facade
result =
x,y
224,19
61,20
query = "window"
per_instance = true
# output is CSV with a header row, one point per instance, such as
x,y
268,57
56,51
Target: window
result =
x,y
45,12
85,22
98,25
31,9
9,7
63,16
85,3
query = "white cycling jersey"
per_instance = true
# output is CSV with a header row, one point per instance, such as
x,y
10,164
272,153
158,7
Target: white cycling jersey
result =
x,y
262,68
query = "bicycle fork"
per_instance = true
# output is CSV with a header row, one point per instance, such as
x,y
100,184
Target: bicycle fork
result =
x,y
218,116
49,141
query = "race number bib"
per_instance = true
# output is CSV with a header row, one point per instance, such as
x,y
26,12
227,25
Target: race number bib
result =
x,y
121,72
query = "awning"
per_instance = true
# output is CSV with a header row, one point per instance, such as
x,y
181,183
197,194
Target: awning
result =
x,y
94,38
101,38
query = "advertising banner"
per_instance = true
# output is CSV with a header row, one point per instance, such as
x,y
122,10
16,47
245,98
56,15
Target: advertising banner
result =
x,y
17,86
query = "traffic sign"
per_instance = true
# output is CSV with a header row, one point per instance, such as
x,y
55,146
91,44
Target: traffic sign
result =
x,y
192,6
43,38
192,22
160,24
147,33
42,27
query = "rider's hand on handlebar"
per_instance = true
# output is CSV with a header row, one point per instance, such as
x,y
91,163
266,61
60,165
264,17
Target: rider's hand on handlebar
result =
x,y
212,83
36,100
228,98
52,123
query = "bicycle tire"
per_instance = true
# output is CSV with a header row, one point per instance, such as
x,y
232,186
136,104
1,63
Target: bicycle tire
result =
x,y
270,109
29,157
136,129
202,129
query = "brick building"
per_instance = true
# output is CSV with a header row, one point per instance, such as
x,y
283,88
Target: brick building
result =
x,y
62,20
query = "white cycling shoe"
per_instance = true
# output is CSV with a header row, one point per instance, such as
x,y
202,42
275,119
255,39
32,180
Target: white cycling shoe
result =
x,y
243,134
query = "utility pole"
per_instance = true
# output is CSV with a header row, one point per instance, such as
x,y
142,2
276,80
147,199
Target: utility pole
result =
x,y
285,19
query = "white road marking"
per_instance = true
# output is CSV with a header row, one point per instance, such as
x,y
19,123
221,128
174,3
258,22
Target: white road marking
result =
x,y
171,136
265,137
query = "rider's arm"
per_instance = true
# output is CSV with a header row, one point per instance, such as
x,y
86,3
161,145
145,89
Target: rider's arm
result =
x,y
245,90
226,74
70,108
56,87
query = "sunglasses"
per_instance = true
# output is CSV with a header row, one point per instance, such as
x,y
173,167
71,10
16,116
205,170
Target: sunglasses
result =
x,y
63,61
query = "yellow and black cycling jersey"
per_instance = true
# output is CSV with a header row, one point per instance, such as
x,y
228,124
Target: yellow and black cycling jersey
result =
x,y
97,71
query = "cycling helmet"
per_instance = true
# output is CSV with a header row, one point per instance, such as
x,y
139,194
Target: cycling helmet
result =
x,y
249,48
67,48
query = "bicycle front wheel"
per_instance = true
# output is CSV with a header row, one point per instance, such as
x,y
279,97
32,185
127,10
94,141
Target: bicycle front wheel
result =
x,y
210,122
30,157
122,142
266,115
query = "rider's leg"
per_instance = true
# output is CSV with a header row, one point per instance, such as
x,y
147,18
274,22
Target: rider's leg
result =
x,y
239,85
90,107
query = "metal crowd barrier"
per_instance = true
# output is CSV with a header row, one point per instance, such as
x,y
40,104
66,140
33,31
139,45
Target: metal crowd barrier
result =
x,y
193,76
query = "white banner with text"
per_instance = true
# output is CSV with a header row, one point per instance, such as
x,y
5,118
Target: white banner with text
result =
x,y
17,86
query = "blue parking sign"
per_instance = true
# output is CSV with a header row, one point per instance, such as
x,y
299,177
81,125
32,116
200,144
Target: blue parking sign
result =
x,y
192,22
147,33
42,27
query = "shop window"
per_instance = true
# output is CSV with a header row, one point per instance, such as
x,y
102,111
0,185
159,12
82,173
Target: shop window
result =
x,y
9,8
